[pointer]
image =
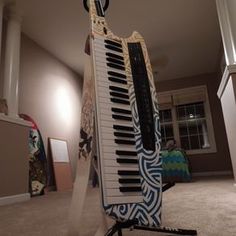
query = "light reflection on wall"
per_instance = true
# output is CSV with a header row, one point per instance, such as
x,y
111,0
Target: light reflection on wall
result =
x,y
63,105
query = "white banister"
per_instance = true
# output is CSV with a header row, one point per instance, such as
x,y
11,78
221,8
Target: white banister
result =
x,y
1,18
12,61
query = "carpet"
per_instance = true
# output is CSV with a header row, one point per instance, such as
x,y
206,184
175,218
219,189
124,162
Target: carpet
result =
x,y
206,204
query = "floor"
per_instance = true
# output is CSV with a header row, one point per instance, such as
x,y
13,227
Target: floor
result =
x,y
206,204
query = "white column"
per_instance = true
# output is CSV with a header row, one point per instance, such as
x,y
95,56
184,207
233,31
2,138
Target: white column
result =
x,y
12,62
1,18
227,89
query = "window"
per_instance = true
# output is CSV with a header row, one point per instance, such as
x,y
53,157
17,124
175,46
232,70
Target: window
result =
x,y
185,116
167,132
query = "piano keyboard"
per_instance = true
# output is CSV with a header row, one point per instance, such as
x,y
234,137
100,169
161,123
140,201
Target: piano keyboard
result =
x,y
121,180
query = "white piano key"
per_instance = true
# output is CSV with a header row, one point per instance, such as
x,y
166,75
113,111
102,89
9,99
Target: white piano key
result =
x,y
114,156
116,185
105,86
106,89
116,192
112,144
99,38
102,57
102,45
111,149
103,60
108,123
111,177
105,83
116,177
109,112
104,117
108,83
124,199
106,94
103,79
107,130
106,79
103,66
108,101
106,110
104,50
109,106
114,163
114,170
111,136
103,71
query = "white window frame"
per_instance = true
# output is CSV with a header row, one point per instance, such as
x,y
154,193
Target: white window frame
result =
x,y
208,116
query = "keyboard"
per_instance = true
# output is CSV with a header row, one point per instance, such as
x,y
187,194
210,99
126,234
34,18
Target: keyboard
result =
x,y
115,115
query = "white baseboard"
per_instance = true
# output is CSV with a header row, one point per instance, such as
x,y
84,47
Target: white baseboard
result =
x,y
14,199
212,173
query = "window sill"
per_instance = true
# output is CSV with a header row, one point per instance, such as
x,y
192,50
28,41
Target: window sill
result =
x,y
201,151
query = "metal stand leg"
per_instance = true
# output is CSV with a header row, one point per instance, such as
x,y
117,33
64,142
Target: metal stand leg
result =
x,y
119,232
117,228
169,230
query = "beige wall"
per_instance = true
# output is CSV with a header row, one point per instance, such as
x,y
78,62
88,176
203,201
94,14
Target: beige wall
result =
x,y
50,93
14,164
219,161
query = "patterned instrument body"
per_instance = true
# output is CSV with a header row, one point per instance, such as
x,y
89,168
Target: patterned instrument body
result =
x,y
146,210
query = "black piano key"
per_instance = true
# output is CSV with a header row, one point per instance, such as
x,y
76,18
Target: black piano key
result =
x,y
123,141
116,74
115,66
119,95
126,153
130,189
121,81
126,161
116,100
116,49
125,135
109,59
118,89
113,43
128,172
109,54
119,117
124,128
129,181
122,111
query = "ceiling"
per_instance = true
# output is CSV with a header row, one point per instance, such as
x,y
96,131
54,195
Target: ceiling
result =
x,y
182,36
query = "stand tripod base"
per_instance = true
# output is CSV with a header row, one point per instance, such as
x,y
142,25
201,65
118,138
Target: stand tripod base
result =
x,y
132,225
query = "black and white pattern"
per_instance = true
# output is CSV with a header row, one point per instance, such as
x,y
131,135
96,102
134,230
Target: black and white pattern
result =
x,y
148,213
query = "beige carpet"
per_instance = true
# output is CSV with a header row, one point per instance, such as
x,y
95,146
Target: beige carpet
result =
x,y
208,205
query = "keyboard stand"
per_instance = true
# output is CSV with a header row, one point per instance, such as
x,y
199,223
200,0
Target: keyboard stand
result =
x,y
167,186
117,228
132,224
